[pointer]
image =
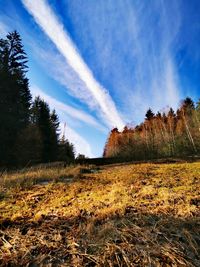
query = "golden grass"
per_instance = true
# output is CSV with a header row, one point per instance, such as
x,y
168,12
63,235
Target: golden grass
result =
x,y
128,215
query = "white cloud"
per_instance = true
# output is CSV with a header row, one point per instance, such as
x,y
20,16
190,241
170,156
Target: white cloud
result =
x,y
66,109
58,69
171,81
133,43
80,144
50,24
156,83
4,29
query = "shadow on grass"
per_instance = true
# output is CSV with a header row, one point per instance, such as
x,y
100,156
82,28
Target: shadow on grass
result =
x,y
135,239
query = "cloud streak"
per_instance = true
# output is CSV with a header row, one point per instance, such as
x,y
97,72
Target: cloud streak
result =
x,y
4,29
81,145
156,79
69,110
154,45
134,43
58,69
50,24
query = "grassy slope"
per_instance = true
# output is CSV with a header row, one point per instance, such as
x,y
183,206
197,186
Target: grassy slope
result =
x,y
129,215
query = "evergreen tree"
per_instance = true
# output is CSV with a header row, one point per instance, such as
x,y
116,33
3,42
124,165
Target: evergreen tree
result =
x,y
149,115
66,151
28,131
29,146
13,56
15,97
48,125
187,105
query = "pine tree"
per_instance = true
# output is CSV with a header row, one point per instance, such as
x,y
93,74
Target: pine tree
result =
x,y
66,151
15,97
149,115
48,126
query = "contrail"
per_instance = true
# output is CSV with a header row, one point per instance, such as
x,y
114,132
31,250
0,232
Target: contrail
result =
x,y
81,145
47,20
71,111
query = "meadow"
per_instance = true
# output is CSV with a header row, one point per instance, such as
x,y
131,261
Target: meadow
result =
x,y
144,214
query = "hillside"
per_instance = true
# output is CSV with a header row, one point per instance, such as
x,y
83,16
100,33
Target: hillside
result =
x,y
126,215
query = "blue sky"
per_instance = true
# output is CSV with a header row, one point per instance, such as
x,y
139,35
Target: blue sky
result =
x,y
103,63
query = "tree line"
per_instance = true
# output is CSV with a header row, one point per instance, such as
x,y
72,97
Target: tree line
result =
x,y
172,133
29,130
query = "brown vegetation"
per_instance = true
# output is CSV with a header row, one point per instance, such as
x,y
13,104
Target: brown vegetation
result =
x,y
159,136
128,215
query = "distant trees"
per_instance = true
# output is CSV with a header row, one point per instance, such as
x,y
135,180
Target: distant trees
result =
x,y
66,150
28,130
81,157
161,135
47,124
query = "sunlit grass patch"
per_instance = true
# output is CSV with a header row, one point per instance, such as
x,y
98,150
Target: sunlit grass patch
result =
x,y
129,215
23,180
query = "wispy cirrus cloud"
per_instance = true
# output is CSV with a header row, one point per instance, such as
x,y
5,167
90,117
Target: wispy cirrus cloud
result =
x,y
58,69
138,44
156,79
74,113
4,29
50,24
81,145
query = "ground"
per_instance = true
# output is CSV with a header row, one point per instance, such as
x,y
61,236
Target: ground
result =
x,y
120,215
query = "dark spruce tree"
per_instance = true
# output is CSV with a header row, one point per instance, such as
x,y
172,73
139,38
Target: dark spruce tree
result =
x,y
66,150
28,131
15,97
149,115
48,124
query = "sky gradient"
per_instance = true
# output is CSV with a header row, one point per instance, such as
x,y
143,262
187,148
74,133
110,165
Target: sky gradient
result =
x,y
102,64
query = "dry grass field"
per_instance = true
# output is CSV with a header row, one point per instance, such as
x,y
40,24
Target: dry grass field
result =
x,y
128,215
